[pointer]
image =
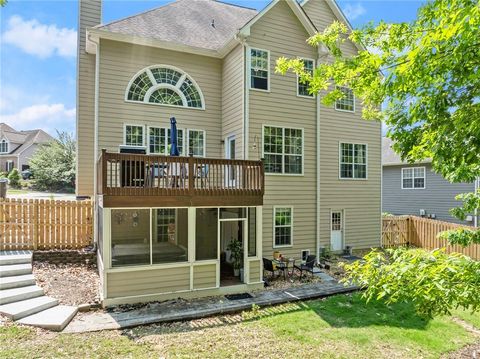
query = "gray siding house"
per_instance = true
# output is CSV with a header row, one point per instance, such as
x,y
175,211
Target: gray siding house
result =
x,y
416,189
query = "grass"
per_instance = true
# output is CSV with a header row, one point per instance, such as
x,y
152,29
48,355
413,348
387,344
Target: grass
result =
x,y
338,327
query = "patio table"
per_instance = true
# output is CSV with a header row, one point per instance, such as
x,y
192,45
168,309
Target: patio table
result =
x,y
285,264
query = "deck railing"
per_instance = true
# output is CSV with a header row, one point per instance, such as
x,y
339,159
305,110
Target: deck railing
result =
x,y
121,174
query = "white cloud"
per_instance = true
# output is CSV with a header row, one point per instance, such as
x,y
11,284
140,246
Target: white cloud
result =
x,y
354,11
39,39
46,117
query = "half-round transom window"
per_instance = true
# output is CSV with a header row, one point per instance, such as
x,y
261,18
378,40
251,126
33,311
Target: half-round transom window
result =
x,y
165,85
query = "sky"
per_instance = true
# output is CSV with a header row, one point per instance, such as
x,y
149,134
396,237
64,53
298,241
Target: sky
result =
x,y
38,42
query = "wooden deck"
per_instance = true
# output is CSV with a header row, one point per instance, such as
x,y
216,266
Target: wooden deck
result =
x,y
136,180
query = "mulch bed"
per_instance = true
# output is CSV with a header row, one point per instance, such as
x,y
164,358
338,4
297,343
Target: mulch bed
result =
x,y
468,352
71,284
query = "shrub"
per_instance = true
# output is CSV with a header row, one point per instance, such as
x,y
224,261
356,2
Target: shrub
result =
x,y
433,281
14,178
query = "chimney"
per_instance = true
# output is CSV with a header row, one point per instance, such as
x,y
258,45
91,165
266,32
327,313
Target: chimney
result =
x,y
89,15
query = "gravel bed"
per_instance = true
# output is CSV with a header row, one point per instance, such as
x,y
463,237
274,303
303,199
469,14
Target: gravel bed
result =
x,y
71,284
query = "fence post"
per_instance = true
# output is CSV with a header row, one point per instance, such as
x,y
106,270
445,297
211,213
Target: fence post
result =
x,y
35,221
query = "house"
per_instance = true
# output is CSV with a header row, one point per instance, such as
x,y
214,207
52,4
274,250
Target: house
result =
x,y
261,160
17,147
416,189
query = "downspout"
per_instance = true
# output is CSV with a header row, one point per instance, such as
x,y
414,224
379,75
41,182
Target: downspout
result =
x,y
95,138
322,52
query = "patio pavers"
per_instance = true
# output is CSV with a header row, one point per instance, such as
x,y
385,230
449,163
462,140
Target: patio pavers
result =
x,y
169,311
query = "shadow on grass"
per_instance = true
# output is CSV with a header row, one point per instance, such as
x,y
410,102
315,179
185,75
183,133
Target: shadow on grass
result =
x,y
340,311
352,311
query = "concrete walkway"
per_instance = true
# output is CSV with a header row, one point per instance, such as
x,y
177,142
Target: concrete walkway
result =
x,y
180,310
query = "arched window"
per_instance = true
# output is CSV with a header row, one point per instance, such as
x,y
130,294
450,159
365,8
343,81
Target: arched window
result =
x,y
165,85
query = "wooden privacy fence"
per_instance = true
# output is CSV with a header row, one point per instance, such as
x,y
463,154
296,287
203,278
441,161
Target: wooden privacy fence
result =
x,y
45,224
422,232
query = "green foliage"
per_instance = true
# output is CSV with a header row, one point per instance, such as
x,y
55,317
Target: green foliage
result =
x,y
434,282
471,202
430,85
461,236
235,247
53,165
14,178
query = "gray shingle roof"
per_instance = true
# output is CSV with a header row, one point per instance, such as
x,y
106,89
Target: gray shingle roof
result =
x,y
390,157
23,138
206,24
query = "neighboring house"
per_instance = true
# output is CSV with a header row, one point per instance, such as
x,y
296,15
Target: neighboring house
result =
x,y
416,189
165,224
17,147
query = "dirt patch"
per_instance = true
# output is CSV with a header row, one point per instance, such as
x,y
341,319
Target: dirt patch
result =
x,y
71,284
292,281
468,352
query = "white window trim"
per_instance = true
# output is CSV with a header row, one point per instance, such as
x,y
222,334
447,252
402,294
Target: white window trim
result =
x,y
340,161
157,86
187,144
283,151
10,163
166,134
413,177
354,100
291,226
125,134
8,145
301,253
249,59
298,82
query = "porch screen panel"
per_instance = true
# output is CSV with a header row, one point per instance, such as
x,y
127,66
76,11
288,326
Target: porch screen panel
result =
x,y
130,237
206,236
170,235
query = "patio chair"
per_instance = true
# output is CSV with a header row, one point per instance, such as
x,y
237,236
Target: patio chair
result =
x,y
202,173
308,266
268,266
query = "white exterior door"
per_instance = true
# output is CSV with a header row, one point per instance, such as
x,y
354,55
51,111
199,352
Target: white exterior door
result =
x,y
336,233
230,176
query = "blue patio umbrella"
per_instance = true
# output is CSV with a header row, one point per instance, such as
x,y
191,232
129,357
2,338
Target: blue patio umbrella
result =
x,y
173,137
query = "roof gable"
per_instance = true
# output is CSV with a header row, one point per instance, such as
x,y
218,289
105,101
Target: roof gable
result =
x,y
296,9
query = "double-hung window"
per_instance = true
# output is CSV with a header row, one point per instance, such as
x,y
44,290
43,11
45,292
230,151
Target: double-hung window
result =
x,y
283,224
159,140
134,135
259,69
353,161
4,146
302,88
196,143
413,178
283,150
347,102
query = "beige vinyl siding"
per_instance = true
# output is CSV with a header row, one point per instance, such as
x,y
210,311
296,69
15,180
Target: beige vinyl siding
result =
x,y
232,98
89,15
280,32
148,281
359,199
119,62
255,271
204,276
322,16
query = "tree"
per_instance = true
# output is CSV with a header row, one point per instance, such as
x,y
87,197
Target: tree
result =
x,y
14,178
433,281
430,88
53,165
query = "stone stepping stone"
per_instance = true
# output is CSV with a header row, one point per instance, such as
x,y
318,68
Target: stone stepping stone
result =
x,y
55,318
15,259
16,281
15,269
18,294
27,307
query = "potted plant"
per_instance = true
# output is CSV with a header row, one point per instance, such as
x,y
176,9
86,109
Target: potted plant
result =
x,y
235,247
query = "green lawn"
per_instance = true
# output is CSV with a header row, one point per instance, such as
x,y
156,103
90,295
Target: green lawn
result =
x,y
338,327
